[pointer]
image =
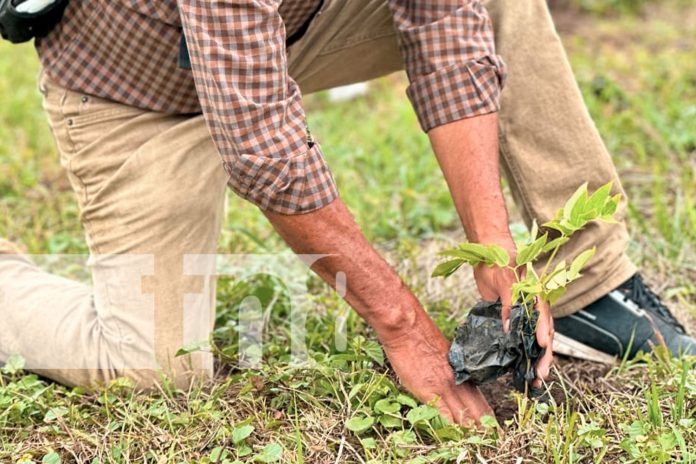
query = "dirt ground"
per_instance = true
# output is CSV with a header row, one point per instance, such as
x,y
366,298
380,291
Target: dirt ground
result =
x,y
581,373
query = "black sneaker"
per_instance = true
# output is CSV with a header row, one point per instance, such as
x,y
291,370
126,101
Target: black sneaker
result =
x,y
633,318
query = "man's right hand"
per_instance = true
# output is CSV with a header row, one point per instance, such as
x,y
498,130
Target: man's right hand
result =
x,y
415,346
419,358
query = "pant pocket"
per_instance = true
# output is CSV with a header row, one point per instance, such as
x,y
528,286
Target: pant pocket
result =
x,y
85,129
89,118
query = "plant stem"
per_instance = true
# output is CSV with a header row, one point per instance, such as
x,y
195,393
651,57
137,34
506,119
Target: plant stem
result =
x,y
548,263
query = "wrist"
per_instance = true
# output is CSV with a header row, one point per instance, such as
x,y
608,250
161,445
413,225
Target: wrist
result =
x,y
486,221
503,239
395,322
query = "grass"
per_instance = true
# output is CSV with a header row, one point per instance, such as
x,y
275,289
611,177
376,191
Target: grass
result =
x,y
637,75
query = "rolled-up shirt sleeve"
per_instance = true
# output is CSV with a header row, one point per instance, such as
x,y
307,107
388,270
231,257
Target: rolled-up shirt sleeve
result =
x,y
252,107
449,53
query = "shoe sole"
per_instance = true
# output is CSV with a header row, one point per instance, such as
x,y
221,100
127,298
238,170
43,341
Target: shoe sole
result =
x,y
568,347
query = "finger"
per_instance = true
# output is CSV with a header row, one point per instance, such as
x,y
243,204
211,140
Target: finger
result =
x,y
506,301
476,404
544,329
445,411
543,368
545,333
459,411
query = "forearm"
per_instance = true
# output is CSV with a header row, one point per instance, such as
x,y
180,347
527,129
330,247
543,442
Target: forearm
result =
x,y
374,290
467,151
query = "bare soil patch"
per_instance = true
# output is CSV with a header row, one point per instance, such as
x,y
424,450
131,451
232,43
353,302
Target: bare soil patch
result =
x,y
501,396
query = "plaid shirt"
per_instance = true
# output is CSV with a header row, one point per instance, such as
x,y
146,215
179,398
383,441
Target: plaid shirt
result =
x,y
126,51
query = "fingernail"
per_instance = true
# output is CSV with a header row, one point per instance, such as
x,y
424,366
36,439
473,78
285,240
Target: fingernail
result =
x,y
506,325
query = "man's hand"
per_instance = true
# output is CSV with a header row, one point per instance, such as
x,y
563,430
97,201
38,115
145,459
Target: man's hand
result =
x,y
415,346
419,358
493,283
467,151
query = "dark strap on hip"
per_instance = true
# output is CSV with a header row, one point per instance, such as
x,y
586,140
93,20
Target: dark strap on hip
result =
x,y
297,35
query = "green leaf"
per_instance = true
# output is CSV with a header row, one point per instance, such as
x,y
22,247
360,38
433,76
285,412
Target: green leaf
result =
x,y
501,256
557,278
557,242
489,422
515,292
575,204
374,351
55,413
390,422
241,433
610,208
14,365
403,437
529,253
554,295
578,263
406,400
468,255
51,458
667,441
447,268
386,406
217,454
635,429
200,345
449,433
421,414
369,443
597,201
272,452
359,424
556,224
525,291
116,452
355,390
477,253
457,253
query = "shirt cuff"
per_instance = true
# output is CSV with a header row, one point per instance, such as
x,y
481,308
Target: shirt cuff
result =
x,y
295,185
458,91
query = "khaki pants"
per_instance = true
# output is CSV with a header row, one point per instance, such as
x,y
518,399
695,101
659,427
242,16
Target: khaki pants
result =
x,y
151,185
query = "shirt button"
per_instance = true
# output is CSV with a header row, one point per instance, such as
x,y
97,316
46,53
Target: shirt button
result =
x,y
70,122
85,99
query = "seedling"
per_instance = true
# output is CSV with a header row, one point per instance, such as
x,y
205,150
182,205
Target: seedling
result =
x,y
547,282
